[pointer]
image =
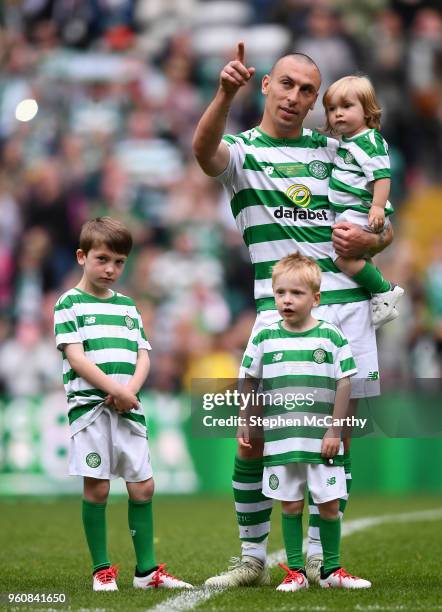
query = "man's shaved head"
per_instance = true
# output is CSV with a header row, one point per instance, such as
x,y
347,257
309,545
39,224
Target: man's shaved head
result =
x,y
298,57
291,90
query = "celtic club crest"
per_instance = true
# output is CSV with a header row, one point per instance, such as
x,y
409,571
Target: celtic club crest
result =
x,y
319,356
318,169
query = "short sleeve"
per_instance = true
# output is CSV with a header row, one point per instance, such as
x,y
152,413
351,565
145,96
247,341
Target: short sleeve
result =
x,y
65,325
375,162
142,340
252,361
233,144
344,363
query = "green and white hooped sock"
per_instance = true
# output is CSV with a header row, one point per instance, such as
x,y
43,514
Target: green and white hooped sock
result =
x,y
253,509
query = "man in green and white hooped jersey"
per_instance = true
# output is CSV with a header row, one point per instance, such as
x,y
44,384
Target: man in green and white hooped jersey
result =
x,y
276,176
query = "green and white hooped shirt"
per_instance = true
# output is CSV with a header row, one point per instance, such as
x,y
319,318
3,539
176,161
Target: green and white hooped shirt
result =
x,y
278,193
359,161
111,332
298,372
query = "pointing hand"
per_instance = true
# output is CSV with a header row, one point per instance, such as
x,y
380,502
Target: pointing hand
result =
x,y
235,74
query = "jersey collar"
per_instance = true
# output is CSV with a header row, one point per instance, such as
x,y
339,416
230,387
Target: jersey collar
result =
x,y
280,141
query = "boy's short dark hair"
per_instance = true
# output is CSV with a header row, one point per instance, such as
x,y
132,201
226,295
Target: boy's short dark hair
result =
x,y
108,231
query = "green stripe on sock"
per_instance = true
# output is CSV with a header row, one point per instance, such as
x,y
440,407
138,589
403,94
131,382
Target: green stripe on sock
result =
x,y
253,518
313,520
249,471
249,497
255,540
347,462
342,505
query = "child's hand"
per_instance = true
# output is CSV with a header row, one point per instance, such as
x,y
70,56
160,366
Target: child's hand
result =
x,y
376,218
125,400
330,445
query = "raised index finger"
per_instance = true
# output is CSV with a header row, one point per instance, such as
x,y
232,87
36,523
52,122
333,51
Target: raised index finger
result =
x,y
240,53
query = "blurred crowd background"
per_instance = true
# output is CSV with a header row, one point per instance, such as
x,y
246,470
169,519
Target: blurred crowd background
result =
x,y
120,85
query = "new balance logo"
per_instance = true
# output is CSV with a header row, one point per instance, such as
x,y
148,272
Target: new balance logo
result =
x,y
89,320
331,481
277,357
373,375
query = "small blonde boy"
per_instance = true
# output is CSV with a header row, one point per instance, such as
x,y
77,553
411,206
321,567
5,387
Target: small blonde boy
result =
x,y
105,363
310,360
360,181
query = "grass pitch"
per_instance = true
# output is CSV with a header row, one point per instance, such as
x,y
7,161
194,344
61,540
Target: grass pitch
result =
x,y
43,551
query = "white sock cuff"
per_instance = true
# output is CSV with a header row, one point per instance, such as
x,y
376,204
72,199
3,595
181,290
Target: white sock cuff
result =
x,y
255,549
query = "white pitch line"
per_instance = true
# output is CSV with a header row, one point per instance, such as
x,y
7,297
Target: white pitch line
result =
x,y
376,607
187,600
366,608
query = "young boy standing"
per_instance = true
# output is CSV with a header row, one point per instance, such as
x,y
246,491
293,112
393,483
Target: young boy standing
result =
x,y
105,363
310,360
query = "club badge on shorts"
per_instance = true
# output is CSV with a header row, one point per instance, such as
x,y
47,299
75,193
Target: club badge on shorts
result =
x,y
93,460
273,482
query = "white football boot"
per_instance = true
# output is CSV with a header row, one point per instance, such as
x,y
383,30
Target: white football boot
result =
x,y
105,579
248,571
160,579
340,579
313,568
294,580
383,306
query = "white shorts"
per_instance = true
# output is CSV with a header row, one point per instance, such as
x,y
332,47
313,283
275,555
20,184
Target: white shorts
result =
x,y
108,448
358,218
353,216
287,482
354,319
